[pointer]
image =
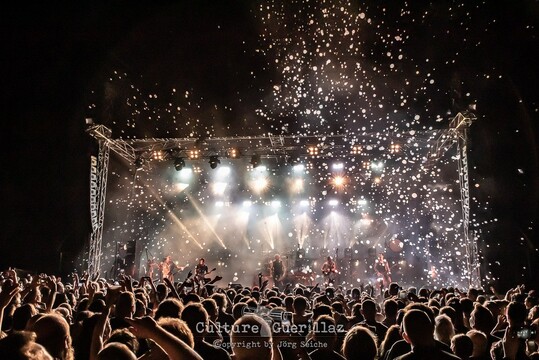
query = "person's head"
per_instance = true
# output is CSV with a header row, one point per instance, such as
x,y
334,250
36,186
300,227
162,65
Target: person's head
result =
x,y
170,307
480,343
201,261
115,351
125,305
325,331
393,335
277,257
238,310
211,308
359,340
391,307
21,345
22,315
220,300
462,346
417,328
516,314
329,259
52,331
168,259
300,304
126,337
178,328
197,319
394,289
368,309
251,329
482,319
443,329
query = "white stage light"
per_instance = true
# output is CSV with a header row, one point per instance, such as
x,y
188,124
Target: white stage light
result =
x,y
223,171
333,202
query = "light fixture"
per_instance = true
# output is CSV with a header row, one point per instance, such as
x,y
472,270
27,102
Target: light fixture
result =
x,y
139,163
233,153
214,161
312,150
179,163
255,160
194,154
356,150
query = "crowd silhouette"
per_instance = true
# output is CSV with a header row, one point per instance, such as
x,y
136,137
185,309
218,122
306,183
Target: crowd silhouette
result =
x,y
92,318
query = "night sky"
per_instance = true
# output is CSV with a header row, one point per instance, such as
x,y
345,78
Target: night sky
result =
x,y
399,66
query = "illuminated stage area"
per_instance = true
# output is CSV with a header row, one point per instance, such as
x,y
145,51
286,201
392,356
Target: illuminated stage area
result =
x,y
237,202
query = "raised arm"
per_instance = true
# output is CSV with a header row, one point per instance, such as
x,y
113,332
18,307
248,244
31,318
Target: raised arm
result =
x,y
176,349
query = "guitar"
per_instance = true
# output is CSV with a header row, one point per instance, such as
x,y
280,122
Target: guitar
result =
x,y
202,277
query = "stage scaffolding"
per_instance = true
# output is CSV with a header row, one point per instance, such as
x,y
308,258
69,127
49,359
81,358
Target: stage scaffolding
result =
x,y
285,149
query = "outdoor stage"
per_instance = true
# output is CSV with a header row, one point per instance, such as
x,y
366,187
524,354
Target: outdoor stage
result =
x,y
239,201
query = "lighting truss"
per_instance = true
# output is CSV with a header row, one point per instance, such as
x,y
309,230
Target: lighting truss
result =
x,y
457,133
276,146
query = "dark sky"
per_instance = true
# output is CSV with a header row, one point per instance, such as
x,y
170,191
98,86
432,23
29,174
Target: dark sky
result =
x,y
58,58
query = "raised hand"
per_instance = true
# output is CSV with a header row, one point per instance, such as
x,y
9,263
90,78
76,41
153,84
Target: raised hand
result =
x,y
8,293
143,327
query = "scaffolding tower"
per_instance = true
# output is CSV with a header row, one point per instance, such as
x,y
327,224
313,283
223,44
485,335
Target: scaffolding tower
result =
x,y
458,133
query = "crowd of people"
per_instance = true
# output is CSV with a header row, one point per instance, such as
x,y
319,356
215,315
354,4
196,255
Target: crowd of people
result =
x,y
92,318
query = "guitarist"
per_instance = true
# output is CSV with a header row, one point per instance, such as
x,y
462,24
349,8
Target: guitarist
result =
x,y
278,271
329,270
383,271
201,271
168,268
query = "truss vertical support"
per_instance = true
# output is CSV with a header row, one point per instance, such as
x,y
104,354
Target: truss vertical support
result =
x,y
472,256
98,187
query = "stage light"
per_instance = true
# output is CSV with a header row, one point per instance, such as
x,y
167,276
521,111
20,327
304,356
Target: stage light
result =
x,y
233,153
214,161
394,148
356,150
276,204
298,168
223,172
194,154
247,203
158,155
312,150
304,203
255,160
139,163
219,188
338,166
339,181
333,202
179,163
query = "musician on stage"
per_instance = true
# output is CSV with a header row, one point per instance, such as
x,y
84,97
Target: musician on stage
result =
x,y
167,268
278,271
329,270
201,270
383,271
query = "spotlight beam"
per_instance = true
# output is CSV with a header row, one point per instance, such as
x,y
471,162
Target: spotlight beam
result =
x,y
205,219
175,219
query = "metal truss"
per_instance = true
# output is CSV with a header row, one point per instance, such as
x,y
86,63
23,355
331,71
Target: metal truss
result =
x,y
98,189
142,151
458,134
